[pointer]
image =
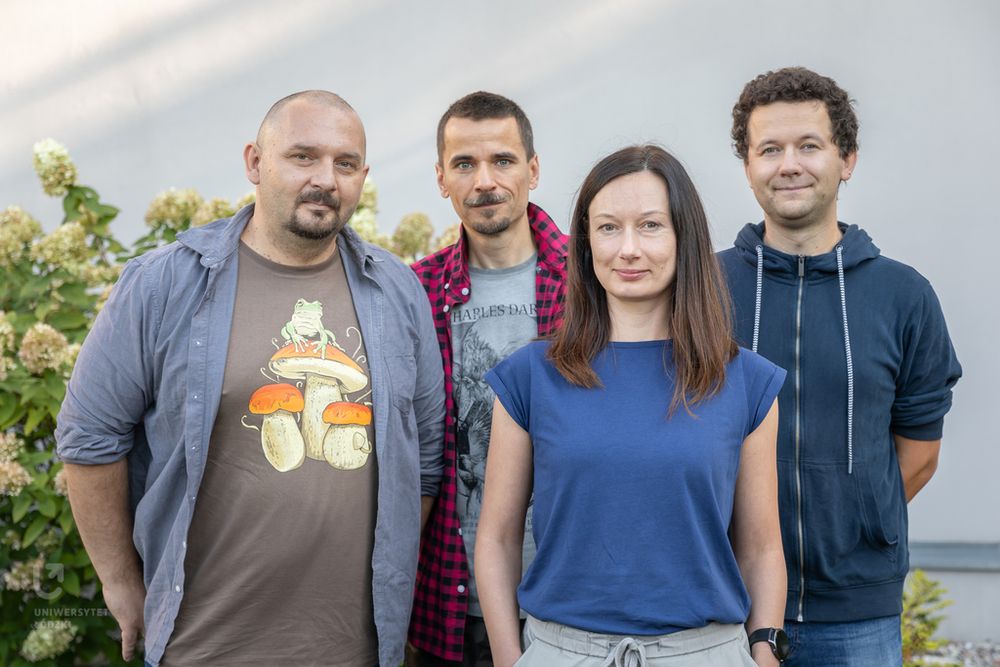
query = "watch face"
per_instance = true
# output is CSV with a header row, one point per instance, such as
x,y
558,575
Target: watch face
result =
x,y
780,644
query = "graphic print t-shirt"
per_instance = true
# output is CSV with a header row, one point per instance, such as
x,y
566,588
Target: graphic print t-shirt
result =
x,y
498,319
278,568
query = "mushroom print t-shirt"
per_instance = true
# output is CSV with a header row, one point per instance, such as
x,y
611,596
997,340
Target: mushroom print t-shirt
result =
x,y
278,568
498,319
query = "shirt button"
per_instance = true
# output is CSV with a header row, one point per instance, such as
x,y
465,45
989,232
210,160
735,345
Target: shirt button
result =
x,y
195,397
177,588
465,291
538,269
461,588
447,285
184,544
459,531
198,343
446,308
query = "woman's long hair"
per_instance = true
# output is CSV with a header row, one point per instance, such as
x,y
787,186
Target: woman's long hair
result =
x,y
699,301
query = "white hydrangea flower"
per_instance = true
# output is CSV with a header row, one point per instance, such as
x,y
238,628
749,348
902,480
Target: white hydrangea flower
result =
x,y
212,210
246,199
10,446
48,639
59,483
6,365
42,347
17,229
25,576
66,246
173,207
369,197
7,334
449,237
12,540
413,236
363,222
54,167
13,478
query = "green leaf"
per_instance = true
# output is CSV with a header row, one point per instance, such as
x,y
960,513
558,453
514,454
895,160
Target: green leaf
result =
x,y
67,320
43,309
71,583
14,418
34,458
66,521
82,559
47,507
71,203
55,384
36,528
35,417
75,293
21,505
8,404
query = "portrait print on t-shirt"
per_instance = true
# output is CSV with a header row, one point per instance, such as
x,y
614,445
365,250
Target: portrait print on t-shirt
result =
x,y
484,343
307,410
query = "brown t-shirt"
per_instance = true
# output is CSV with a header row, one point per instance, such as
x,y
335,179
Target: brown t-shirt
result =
x,y
278,568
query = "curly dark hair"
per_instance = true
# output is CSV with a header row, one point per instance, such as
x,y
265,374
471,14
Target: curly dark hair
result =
x,y
796,84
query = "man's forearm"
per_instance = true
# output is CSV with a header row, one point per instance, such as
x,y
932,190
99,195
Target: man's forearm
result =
x,y
918,461
99,498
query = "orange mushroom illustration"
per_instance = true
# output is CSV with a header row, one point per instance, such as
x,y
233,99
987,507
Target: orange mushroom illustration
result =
x,y
280,436
346,445
328,375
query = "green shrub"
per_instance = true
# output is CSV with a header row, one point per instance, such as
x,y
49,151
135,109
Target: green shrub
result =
x,y
920,620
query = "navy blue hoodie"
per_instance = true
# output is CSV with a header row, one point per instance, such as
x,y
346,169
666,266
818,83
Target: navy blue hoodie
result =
x,y
867,354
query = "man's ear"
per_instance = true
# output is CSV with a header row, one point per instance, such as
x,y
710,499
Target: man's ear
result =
x,y
850,162
440,178
251,160
533,172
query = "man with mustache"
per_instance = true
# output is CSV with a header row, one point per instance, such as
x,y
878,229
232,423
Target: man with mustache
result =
x,y
870,372
498,287
254,419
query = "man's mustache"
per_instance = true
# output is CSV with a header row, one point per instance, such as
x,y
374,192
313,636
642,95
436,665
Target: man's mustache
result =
x,y
484,199
319,197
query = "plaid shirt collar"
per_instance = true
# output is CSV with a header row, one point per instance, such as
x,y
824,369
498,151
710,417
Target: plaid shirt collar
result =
x,y
552,248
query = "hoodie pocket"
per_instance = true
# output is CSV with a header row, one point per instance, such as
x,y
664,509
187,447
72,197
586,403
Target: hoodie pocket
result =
x,y
844,537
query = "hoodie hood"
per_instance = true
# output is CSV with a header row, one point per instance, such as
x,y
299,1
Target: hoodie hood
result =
x,y
856,246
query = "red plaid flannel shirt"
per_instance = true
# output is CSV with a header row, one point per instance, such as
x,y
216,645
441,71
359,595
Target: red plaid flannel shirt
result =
x,y
439,606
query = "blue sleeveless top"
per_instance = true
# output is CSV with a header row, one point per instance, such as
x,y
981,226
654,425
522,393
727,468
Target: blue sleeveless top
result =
x,y
631,509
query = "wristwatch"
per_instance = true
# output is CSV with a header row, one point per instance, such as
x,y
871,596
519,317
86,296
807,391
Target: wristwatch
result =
x,y
776,639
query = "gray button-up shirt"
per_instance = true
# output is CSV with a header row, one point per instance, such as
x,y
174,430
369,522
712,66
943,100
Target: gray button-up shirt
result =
x,y
147,386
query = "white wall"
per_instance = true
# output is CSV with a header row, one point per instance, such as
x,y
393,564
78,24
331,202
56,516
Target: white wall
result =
x,y
152,94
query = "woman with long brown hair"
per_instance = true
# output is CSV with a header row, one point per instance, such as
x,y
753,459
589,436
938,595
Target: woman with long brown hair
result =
x,y
648,439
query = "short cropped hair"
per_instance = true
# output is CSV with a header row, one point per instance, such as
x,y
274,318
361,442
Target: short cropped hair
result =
x,y
796,84
482,106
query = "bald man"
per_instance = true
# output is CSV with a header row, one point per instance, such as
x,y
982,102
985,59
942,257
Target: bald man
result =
x,y
253,421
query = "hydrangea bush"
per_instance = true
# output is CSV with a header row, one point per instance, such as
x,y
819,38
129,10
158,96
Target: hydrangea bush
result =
x,y
52,286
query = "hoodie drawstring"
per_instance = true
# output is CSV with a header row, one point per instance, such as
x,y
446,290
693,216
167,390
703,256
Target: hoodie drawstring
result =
x,y
850,362
847,341
760,285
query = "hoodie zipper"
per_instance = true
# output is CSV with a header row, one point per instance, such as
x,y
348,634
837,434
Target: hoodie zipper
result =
x,y
798,431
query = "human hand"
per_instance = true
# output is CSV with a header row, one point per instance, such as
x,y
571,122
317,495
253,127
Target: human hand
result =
x,y
763,656
126,602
